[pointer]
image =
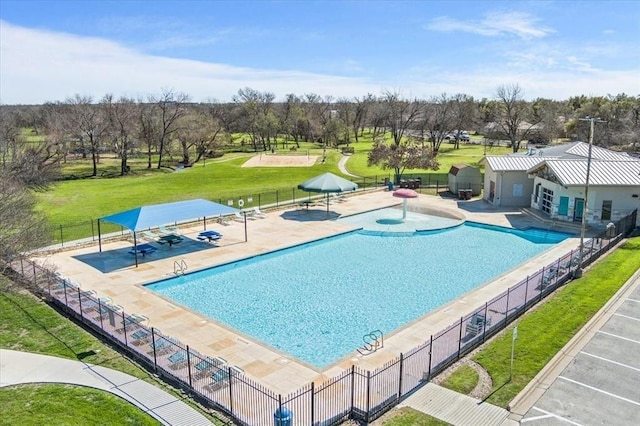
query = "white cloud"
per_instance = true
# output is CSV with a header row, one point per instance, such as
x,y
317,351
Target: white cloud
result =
x,y
520,24
38,66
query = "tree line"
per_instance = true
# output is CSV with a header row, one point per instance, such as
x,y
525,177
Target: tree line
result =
x,y
168,123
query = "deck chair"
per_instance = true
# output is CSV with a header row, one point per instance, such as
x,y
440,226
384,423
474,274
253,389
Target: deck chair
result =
x,y
256,212
224,220
168,230
151,236
177,360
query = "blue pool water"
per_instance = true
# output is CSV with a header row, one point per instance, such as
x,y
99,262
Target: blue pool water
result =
x,y
317,300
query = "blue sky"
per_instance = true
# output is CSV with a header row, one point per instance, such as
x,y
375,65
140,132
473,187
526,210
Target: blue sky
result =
x,y
51,50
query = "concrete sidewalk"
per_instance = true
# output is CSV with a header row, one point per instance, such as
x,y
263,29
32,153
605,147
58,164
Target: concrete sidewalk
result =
x,y
24,367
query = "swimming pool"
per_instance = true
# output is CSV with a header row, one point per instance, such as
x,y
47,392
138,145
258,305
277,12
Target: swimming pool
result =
x,y
316,301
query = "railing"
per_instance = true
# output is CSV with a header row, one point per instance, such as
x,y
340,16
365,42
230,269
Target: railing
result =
x,y
356,393
64,233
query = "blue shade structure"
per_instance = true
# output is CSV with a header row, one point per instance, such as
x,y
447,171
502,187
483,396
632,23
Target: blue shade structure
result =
x,y
146,217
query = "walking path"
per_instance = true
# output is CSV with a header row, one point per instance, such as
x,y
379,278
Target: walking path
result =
x,y
342,166
24,367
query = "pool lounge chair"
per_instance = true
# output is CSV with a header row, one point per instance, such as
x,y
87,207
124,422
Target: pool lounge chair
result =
x,y
220,377
256,212
169,230
477,323
224,220
177,360
205,367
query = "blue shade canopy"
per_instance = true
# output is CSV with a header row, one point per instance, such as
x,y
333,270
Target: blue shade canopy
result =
x,y
162,214
328,182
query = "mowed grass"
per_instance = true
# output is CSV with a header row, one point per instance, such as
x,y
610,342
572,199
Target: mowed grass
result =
x,y
42,404
463,380
543,332
406,416
28,324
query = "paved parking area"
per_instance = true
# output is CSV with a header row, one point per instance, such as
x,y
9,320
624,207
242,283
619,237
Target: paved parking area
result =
x,y
601,385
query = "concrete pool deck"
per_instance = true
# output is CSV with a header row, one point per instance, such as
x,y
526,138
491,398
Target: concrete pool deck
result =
x,y
112,274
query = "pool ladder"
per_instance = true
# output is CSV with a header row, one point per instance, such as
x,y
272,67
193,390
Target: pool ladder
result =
x,y
180,268
372,342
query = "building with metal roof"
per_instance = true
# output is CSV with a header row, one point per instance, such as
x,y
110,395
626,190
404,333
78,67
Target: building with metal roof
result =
x,y
553,181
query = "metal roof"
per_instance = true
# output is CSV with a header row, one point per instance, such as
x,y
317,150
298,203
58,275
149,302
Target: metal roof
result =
x,y
512,163
524,160
602,173
582,149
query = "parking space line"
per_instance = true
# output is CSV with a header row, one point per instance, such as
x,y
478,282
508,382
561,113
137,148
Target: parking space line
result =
x,y
600,390
610,360
626,316
619,337
633,300
546,416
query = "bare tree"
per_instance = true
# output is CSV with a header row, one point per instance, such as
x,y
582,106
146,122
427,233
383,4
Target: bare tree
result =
x,y
170,107
199,131
122,117
400,114
437,120
88,124
513,115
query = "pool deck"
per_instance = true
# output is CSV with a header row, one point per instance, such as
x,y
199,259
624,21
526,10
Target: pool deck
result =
x,y
113,274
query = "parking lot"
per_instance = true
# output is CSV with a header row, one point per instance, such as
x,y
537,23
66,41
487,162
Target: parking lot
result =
x,y
601,384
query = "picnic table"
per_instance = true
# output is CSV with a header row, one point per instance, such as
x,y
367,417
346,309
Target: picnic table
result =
x,y
210,236
170,239
142,249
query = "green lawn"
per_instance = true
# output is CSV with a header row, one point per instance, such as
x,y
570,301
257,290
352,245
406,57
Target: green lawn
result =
x,y
40,404
406,416
463,380
543,332
28,324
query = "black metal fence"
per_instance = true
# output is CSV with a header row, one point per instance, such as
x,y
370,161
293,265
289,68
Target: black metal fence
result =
x,y
356,393
87,230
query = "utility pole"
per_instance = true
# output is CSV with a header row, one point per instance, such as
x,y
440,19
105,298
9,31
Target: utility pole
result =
x,y
578,271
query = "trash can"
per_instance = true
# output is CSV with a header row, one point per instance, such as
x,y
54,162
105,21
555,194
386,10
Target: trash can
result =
x,y
390,186
282,417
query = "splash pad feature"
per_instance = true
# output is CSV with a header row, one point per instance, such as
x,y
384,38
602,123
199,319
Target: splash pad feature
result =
x,y
405,194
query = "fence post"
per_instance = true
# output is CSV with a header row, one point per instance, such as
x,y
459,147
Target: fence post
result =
x,y
80,304
353,387
21,266
526,290
100,314
540,296
486,317
189,366
400,378
61,237
153,346
277,199
280,405
506,312
35,278
460,337
368,395
231,393
313,417
430,354
93,234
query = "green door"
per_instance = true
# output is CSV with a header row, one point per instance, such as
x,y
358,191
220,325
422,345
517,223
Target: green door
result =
x,y
578,209
563,207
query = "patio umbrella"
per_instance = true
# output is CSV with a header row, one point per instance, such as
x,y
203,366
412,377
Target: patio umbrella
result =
x,y
328,183
405,194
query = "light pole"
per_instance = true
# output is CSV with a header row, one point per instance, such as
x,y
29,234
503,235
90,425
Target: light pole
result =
x,y
578,271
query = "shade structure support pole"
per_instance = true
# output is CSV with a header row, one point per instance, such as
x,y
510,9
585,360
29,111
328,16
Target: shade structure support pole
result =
x,y
404,208
135,248
99,238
